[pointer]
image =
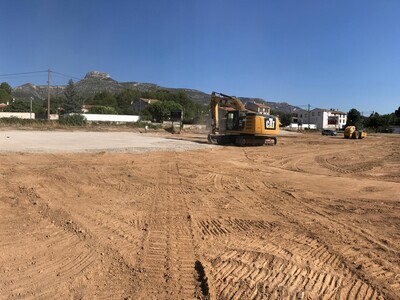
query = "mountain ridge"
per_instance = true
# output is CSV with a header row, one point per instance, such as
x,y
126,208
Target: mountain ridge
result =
x,y
96,82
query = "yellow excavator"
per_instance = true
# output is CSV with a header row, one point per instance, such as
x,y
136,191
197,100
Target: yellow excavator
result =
x,y
350,132
232,123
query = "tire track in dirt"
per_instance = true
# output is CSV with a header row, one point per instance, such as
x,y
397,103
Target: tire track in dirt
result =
x,y
248,234
375,267
278,269
73,260
217,227
120,235
78,254
325,161
244,274
297,162
300,262
369,269
168,257
349,261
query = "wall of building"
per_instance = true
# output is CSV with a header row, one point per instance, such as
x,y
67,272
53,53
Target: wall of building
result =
x,y
320,118
194,127
304,126
111,118
20,115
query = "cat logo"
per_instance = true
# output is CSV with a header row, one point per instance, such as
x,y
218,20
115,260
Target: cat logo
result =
x,y
270,123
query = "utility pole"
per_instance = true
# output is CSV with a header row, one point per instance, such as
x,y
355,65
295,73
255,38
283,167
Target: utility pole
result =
x,y
308,116
48,94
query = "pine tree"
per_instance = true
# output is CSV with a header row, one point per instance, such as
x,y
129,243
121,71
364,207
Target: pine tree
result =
x,y
6,87
72,101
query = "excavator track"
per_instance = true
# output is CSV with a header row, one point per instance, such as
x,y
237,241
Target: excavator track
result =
x,y
240,140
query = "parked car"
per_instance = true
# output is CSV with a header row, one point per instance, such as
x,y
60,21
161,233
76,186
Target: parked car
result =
x,y
331,132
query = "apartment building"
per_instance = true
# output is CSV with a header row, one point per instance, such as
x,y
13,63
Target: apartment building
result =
x,y
322,118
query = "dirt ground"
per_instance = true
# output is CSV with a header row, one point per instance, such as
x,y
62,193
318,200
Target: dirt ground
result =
x,y
312,217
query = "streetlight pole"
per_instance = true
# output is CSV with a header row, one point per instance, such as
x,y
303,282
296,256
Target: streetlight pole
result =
x,y
48,94
30,115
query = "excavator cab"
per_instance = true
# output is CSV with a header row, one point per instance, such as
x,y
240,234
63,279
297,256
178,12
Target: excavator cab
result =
x,y
235,120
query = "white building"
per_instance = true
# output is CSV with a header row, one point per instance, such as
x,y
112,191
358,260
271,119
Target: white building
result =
x,y
258,108
322,118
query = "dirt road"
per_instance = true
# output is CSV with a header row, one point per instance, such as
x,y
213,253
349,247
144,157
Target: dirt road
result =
x,y
310,218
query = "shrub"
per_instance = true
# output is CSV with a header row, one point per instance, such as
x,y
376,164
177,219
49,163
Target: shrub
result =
x,y
107,110
22,122
73,120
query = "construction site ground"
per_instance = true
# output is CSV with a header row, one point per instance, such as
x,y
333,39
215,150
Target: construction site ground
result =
x,y
312,217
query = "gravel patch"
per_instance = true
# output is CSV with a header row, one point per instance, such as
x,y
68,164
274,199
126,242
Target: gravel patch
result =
x,y
67,142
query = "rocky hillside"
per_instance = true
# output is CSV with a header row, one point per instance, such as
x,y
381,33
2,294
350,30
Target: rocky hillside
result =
x,y
95,82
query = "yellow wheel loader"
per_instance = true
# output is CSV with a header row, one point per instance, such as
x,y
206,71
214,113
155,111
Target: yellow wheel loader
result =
x,y
232,123
350,132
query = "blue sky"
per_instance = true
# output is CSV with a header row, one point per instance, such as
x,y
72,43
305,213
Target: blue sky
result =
x,y
329,54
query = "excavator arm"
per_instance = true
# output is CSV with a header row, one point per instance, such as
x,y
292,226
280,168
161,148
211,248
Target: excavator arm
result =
x,y
219,99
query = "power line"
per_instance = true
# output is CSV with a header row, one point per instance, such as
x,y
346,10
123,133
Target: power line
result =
x,y
57,76
22,73
36,74
23,76
65,75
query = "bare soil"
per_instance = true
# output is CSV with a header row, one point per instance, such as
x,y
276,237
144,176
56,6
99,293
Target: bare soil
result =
x,y
310,218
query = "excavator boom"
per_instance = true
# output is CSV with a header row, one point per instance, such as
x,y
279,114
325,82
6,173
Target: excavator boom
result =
x,y
218,100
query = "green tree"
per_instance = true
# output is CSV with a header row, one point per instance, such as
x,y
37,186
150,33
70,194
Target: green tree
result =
x,y
108,110
145,115
72,101
4,96
6,87
18,106
397,112
396,118
378,122
104,98
192,111
161,111
354,118
55,104
285,118
126,99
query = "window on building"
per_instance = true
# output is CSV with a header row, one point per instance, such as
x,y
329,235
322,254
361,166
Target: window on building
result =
x,y
301,115
319,113
312,114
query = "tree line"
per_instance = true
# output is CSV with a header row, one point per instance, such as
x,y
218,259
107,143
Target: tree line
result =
x,y
70,101
375,122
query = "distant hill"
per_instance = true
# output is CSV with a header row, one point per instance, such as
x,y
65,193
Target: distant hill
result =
x,y
276,106
96,82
